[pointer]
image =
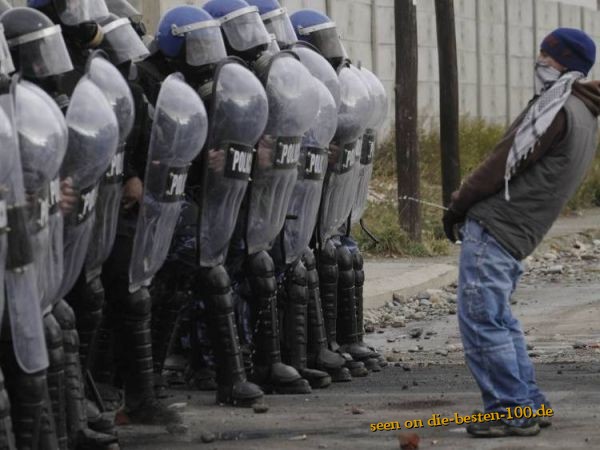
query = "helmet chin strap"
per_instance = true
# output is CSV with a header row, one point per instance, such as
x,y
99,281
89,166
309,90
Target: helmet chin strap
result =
x,y
97,39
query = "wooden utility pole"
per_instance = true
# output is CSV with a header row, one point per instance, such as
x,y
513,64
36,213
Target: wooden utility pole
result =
x,y
407,142
450,154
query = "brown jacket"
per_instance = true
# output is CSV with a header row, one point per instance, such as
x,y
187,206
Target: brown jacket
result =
x,y
488,178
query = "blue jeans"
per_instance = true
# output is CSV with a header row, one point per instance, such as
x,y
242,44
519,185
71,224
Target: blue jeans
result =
x,y
494,344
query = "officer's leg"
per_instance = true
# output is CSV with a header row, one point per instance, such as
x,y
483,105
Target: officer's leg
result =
x,y
347,330
87,300
167,303
375,360
56,376
295,302
233,387
319,355
269,371
7,438
134,336
30,404
78,431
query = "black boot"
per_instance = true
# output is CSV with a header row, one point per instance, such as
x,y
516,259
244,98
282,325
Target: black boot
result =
x,y
168,300
347,330
375,360
80,436
7,437
295,303
87,300
30,408
328,283
233,387
56,377
318,354
102,361
133,334
269,371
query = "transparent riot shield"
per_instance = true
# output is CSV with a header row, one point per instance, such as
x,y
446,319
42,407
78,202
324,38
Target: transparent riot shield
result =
x,y
238,116
117,92
7,165
178,134
339,190
293,105
304,205
320,68
43,136
367,151
93,141
22,296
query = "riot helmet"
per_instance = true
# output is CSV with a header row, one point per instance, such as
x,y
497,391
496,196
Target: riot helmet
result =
x,y
4,6
319,30
276,20
121,42
124,9
73,12
6,63
242,27
36,44
191,29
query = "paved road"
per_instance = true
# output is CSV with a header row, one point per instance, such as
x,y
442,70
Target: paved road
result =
x,y
554,316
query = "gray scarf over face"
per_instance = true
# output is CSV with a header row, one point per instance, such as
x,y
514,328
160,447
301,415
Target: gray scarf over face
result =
x,y
540,115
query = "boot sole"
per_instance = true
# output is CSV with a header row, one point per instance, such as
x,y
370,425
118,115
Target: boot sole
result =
x,y
320,383
238,402
508,431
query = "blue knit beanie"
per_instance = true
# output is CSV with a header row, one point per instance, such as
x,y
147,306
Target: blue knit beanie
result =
x,y
572,48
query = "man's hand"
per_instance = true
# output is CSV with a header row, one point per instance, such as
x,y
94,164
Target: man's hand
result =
x,y
68,196
450,220
132,192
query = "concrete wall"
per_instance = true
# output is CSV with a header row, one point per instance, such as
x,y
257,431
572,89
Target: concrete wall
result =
x,y
497,42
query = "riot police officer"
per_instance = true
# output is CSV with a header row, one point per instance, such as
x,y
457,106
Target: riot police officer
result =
x,y
189,40
292,111
25,374
45,69
339,268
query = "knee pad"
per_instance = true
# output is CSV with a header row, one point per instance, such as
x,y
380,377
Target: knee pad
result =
x,y
64,315
296,284
358,264
138,305
310,262
95,298
261,271
217,283
328,266
54,340
32,387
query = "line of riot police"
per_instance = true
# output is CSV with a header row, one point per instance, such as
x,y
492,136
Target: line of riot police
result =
x,y
176,211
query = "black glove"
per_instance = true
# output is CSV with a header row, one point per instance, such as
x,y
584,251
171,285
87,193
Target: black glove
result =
x,y
450,220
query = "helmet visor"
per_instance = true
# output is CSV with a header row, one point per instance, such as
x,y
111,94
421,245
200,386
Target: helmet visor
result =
x,y
74,12
278,23
326,38
6,63
205,45
42,53
244,29
122,43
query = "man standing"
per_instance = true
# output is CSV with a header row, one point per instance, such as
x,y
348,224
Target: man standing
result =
x,y
507,205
